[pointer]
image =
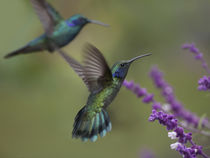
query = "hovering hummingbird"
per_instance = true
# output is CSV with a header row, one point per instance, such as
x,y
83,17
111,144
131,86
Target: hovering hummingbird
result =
x,y
58,32
104,84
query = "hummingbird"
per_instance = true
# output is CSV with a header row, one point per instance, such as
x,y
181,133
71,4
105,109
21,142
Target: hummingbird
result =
x,y
58,31
103,84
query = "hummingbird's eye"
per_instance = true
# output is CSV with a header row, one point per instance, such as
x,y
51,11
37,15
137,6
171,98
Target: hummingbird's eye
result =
x,y
82,20
79,21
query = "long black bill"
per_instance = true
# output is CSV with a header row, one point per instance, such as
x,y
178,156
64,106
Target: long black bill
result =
x,y
98,23
138,57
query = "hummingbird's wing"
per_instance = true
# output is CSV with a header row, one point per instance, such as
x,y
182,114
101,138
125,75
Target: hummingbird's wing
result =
x,y
77,67
48,16
96,70
95,73
55,15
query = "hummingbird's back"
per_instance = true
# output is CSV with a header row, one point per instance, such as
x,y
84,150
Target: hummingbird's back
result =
x,y
64,34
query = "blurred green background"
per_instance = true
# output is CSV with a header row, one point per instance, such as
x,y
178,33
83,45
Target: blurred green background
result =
x,y
40,95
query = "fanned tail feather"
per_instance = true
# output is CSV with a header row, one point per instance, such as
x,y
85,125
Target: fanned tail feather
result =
x,y
85,128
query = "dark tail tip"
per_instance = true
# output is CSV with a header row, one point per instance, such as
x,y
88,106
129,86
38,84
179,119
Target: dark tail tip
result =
x,y
89,128
13,54
17,52
8,56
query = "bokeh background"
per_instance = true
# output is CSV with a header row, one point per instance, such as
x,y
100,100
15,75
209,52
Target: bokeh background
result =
x,y
40,95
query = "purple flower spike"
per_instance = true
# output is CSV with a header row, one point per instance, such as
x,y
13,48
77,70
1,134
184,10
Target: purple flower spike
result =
x,y
186,152
168,93
186,46
157,76
142,92
193,49
148,98
198,55
128,85
190,152
178,133
156,106
136,89
183,138
204,83
165,119
169,120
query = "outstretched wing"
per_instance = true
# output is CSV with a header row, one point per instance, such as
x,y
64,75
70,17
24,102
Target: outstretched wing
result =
x,y
96,70
77,67
48,16
95,73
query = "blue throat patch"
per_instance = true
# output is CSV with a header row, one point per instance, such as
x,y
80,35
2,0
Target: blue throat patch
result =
x,y
118,74
70,24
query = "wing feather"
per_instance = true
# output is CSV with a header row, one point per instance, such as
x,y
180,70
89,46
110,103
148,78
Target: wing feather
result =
x,y
48,16
95,72
77,67
96,69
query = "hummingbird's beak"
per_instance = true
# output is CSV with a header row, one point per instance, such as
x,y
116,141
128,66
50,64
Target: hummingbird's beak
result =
x,y
97,22
138,57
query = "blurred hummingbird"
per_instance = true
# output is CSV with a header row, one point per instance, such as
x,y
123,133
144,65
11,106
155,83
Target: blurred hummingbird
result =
x,y
58,32
104,84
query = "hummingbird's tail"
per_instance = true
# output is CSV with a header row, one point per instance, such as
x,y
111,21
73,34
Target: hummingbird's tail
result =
x,y
24,50
89,127
38,44
16,52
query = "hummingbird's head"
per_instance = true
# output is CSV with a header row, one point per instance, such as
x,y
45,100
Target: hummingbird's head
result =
x,y
120,69
79,20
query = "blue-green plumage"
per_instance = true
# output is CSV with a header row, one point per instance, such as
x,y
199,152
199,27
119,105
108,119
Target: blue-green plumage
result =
x,y
103,84
58,31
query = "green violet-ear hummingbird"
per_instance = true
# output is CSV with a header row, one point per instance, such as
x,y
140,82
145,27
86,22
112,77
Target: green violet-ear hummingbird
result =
x,y
58,32
104,84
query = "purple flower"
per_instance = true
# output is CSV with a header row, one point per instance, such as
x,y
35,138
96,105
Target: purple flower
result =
x,y
148,98
165,119
156,106
129,85
178,133
157,77
168,93
186,46
169,120
186,152
183,137
204,83
198,55
191,47
140,92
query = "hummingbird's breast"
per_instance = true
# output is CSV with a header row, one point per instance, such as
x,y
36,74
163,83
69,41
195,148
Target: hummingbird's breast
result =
x,y
104,97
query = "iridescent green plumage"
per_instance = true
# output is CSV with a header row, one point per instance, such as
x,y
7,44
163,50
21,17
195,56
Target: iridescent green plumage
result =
x,y
58,31
103,84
